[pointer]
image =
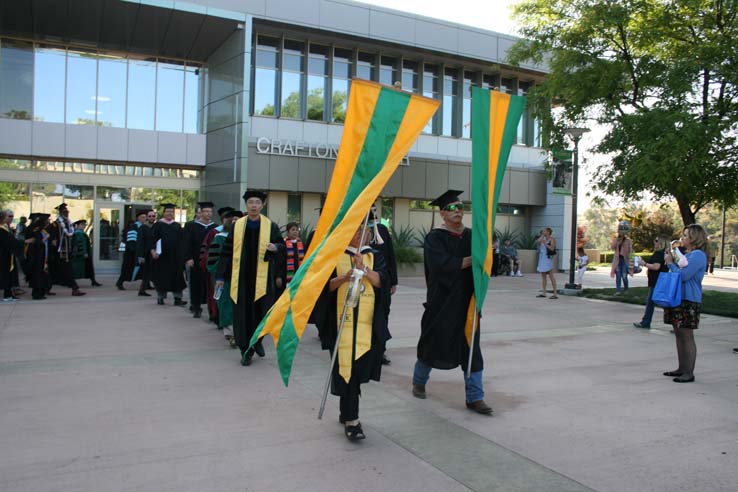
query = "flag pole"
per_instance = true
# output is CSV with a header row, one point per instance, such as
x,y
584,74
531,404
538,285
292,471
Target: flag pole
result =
x,y
471,345
340,331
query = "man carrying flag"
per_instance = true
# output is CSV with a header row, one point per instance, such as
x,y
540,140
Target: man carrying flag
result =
x,y
445,326
246,259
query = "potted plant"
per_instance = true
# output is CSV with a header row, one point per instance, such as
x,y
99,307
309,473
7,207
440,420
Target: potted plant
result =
x,y
409,260
527,252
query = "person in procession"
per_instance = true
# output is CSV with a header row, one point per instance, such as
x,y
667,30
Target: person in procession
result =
x,y
362,342
10,248
685,318
294,251
82,265
143,256
382,241
36,265
193,235
204,258
130,256
60,240
248,259
224,301
443,342
167,253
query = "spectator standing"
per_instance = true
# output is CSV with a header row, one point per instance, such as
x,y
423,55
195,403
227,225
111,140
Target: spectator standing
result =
x,y
546,250
655,265
623,248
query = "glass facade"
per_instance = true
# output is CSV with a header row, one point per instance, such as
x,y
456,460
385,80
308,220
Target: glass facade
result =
x,y
79,86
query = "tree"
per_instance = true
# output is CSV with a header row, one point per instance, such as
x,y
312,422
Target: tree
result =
x,y
661,75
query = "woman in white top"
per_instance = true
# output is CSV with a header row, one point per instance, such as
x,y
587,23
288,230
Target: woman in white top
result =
x,y
546,251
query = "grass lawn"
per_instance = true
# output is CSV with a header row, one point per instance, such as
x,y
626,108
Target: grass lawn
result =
x,y
713,301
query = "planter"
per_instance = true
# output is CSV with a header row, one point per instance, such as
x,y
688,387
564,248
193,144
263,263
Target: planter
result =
x,y
529,259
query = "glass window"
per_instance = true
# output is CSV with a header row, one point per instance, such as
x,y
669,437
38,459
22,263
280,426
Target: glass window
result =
x,y
81,88
191,99
317,82
366,66
387,70
265,76
46,196
420,205
14,164
142,195
466,105
522,136
49,75
450,102
294,207
141,94
292,70
78,192
169,96
50,166
16,80
410,76
110,194
491,82
431,90
341,83
506,85
111,91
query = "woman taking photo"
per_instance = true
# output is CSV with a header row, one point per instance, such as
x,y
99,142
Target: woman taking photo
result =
x,y
655,265
623,248
685,318
546,251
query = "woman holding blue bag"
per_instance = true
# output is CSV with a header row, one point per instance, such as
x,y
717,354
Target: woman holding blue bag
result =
x,y
685,318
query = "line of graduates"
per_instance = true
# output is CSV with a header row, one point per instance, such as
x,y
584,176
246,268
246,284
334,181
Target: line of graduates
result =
x,y
48,252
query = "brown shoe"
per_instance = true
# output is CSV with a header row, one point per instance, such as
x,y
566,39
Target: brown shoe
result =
x,y
419,391
480,407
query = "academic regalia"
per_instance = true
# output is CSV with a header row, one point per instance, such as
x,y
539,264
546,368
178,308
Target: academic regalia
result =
x,y
143,250
10,247
36,264
388,253
442,343
60,248
192,237
167,270
130,258
225,303
204,261
248,312
80,254
294,256
364,367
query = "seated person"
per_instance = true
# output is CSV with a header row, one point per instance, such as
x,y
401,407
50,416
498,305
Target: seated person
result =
x,y
510,254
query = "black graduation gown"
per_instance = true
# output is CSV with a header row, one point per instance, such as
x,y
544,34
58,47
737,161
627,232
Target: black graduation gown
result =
x,y
247,314
193,235
368,366
143,250
35,265
442,342
10,247
129,255
168,269
388,252
59,266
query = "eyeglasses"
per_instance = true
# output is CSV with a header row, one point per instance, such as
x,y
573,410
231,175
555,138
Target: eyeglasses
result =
x,y
454,207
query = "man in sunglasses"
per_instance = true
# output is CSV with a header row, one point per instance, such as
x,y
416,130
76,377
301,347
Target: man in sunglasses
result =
x,y
443,341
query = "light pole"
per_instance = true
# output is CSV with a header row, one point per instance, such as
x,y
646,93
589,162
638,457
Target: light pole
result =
x,y
575,134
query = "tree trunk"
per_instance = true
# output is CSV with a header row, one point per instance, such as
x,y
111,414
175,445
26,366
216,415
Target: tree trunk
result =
x,y
685,209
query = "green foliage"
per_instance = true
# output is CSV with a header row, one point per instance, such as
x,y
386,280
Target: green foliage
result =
x,y
505,235
405,255
305,232
659,222
420,238
527,241
404,243
662,77
713,302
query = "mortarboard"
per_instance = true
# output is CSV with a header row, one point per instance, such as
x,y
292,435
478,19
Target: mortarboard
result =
x,y
60,207
142,211
255,194
165,206
205,205
233,213
223,210
78,222
450,196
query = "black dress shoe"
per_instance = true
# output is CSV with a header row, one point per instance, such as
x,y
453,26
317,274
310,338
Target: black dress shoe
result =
x,y
259,349
354,432
159,301
684,379
120,286
143,293
419,391
197,314
96,284
246,357
385,361
180,302
480,407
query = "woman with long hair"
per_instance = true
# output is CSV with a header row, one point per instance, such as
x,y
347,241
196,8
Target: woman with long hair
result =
x,y
685,318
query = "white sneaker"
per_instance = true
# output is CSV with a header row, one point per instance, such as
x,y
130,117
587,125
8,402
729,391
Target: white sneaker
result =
x,y
9,299
520,274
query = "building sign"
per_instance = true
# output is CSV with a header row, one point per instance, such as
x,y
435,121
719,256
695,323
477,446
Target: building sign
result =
x,y
297,148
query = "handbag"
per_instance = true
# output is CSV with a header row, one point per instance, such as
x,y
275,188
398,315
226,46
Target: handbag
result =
x,y
668,290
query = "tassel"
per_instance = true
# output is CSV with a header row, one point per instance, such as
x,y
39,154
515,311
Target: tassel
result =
x,y
377,237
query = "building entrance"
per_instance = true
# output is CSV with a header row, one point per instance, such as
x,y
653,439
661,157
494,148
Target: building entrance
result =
x,y
111,220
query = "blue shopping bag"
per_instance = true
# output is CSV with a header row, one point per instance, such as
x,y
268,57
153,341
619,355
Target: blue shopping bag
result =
x,y
668,290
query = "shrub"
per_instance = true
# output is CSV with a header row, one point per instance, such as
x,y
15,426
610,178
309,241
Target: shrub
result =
x,y
527,241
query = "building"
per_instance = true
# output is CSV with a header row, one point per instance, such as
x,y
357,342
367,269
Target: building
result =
x,y
110,105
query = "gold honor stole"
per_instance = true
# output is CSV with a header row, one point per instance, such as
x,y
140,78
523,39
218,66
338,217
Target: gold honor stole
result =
x,y
364,322
262,266
470,320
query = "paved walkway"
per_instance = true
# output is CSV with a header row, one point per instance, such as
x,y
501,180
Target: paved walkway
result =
x,y
112,393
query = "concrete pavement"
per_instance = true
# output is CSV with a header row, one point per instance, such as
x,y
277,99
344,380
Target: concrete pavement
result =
x,y
110,392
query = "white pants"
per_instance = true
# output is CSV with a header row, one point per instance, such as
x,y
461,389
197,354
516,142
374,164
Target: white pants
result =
x,y
580,274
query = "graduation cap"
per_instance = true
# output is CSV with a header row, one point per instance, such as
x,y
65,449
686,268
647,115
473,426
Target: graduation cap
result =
x,y
223,210
142,211
255,194
202,205
61,207
78,222
165,206
450,196
233,213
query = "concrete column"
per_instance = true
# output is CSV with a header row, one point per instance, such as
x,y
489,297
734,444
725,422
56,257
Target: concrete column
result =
x,y
277,201
310,201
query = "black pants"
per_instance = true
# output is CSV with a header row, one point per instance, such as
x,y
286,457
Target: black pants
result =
x,y
197,288
7,292
38,293
349,406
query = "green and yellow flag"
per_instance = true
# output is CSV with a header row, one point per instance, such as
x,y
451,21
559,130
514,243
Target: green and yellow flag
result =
x,y
381,125
494,124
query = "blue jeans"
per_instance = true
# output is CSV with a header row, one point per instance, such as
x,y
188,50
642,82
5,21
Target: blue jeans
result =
x,y
474,386
621,274
648,315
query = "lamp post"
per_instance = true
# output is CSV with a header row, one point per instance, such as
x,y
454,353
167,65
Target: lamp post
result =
x,y
575,134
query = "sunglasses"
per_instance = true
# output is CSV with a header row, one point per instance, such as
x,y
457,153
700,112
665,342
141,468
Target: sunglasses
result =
x,y
454,207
